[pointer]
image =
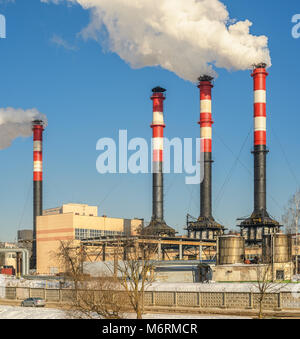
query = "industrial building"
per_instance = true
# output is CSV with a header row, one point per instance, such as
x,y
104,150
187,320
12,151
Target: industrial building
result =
x,y
8,258
105,238
74,222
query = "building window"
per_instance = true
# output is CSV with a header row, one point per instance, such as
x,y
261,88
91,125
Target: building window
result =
x,y
279,275
81,233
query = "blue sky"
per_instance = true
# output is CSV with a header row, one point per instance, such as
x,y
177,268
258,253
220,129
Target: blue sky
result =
x,y
88,93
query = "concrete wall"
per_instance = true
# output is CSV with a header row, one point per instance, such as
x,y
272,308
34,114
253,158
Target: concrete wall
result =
x,y
227,300
242,273
184,274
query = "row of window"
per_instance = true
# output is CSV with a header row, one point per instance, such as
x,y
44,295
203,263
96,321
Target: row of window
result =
x,y
253,233
206,235
81,233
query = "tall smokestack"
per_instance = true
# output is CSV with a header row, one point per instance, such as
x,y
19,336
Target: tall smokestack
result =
x,y
260,139
38,129
158,225
205,227
260,222
158,148
206,123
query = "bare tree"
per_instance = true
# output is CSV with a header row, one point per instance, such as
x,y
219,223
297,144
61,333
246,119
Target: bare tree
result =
x,y
136,272
70,260
91,297
264,284
101,297
291,219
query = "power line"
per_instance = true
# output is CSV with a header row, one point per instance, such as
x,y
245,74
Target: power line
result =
x,y
285,157
25,205
230,173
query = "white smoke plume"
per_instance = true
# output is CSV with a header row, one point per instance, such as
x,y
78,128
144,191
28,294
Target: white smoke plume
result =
x,y
16,123
187,37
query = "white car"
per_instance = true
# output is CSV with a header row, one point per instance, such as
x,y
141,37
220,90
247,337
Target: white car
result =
x,y
33,302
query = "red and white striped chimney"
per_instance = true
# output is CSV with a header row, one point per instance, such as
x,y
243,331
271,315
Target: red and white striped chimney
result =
x,y
260,139
260,99
38,129
206,123
259,223
158,126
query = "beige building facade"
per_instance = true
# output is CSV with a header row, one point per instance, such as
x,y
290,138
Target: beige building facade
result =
x,y
74,222
248,273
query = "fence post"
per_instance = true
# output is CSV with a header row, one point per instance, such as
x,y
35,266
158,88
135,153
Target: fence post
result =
x,y
199,299
250,307
153,298
175,299
224,300
279,301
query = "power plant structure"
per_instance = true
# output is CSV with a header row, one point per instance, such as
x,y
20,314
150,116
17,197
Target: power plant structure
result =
x,y
230,250
158,226
102,238
205,227
276,248
259,223
38,129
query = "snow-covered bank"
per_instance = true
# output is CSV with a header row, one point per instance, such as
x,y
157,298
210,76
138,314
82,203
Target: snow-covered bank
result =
x,y
15,312
217,287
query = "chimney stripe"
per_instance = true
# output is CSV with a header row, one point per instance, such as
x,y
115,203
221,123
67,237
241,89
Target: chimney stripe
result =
x,y
260,124
206,132
37,146
260,110
158,143
38,176
158,118
205,106
260,97
38,166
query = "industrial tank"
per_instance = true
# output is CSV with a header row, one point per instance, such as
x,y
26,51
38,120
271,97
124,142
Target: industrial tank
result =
x,y
231,250
277,246
25,235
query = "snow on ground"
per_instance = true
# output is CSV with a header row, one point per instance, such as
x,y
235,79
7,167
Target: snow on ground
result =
x,y
157,286
17,312
217,287
12,281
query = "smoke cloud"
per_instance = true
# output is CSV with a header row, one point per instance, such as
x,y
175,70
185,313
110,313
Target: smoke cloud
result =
x,y
16,123
187,37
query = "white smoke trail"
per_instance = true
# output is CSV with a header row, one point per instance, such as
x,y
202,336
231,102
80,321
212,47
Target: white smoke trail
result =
x,y
187,37
16,123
